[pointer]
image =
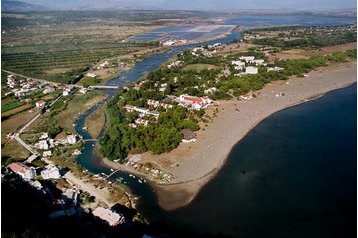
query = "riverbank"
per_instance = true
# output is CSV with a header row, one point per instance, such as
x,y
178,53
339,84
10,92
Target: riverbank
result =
x,y
194,164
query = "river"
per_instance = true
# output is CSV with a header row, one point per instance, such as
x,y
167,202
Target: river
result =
x,y
283,190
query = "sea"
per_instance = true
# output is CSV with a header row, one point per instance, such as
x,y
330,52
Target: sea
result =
x,y
293,175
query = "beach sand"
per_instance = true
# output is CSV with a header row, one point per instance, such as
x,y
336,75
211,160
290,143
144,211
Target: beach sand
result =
x,y
194,164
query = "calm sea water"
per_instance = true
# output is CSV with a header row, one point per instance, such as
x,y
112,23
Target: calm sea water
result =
x,y
294,175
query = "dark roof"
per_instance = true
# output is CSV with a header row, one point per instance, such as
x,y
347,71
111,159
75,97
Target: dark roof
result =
x,y
188,134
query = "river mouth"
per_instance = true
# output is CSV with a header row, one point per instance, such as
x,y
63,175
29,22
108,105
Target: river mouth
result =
x,y
212,219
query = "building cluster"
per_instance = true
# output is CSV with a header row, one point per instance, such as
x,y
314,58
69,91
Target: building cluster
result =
x,y
142,112
197,51
11,82
46,143
192,102
155,104
244,62
23,88
174,64
67,90
103,65
176,42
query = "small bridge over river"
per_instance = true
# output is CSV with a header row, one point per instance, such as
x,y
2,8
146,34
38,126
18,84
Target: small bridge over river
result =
x,y
108,176
90,140
104,87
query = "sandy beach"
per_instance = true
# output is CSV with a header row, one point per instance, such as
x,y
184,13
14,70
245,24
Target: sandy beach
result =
x,y
194,164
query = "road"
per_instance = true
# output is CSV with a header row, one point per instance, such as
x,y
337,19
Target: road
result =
x,y
42,80
16,136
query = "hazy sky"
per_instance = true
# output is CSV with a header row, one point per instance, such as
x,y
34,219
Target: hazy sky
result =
x,y
208,4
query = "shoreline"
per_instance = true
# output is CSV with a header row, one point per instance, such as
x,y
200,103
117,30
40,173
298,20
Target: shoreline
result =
x,y
202,160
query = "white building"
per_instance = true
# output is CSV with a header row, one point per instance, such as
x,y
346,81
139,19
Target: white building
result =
x,y
11,81
251,70
48,90
65,93
194,102
40,103
47,153
42,145
51,172
143,111
210,90
44,135
174,64
24,171
71,139
109,216
140,121
258,62
247,58
83,90
91,75
238,63
274,69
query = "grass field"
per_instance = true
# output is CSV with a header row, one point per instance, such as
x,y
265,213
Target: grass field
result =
x,y
14,151
16,110
61,48
96,122
13,123
199,67
10,106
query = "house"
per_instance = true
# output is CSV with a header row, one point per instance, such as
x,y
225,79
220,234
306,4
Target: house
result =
x,y
51,172
91,75
274,69
40,103
247,58
174,64
24,171
143,111
71,139
109,216
140,121
238,63
83,90
163,86
153,103
48,90
251,70
11,81
247,96
210,90
69,195
169,43
67,91
258,62
188,136
196,103
44,135
47,153
42,145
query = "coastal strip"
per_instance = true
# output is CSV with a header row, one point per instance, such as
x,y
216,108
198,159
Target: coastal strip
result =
x,y
200,161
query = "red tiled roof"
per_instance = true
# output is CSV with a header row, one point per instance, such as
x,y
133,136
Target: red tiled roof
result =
x,y
194,100
18,168
41,101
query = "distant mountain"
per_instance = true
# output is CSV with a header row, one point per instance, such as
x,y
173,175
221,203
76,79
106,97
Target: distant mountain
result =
x,y
18,6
